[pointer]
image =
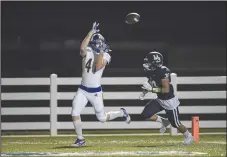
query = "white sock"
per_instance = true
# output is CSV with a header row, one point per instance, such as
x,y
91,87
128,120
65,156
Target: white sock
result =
x,y
159,119
186,133
78,128
115,114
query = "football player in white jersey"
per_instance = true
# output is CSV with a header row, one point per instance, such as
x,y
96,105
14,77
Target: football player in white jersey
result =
x,y
94,52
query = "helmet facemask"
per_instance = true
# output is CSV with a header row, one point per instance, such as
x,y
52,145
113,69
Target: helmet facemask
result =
x,y
151,66
146,64
98,44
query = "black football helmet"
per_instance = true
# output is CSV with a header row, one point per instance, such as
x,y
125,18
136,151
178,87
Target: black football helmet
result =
x,y
152,61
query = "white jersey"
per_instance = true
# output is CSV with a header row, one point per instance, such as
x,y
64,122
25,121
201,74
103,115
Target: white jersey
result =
x,y
89,78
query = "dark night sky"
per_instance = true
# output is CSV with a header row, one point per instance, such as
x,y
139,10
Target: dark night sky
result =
x,y
168,19
192,31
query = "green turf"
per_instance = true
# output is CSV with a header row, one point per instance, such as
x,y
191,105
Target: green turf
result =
x,y
31,132
213,145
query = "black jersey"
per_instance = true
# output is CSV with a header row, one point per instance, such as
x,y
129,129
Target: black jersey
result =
x,y
155,79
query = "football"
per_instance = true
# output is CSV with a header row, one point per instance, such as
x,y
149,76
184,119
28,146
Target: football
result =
x,y
132,18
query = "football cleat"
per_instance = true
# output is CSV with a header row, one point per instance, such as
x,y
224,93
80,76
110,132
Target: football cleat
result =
x,y
79,143
188,140
126,116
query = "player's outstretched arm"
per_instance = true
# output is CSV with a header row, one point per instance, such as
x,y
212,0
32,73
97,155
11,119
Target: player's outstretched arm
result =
x,y
87,39
85,44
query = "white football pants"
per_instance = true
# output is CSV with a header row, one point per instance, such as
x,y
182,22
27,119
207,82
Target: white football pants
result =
x,y
81,99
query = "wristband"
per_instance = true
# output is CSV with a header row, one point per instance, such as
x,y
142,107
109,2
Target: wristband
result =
x,y
156,90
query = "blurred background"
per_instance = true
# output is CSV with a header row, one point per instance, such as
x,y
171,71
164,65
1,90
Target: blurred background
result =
x,y
40,38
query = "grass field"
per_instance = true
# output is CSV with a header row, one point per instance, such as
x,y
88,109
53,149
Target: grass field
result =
x,y
209,145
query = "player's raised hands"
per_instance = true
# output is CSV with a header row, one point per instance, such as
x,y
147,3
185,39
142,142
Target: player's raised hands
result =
x,y
95,28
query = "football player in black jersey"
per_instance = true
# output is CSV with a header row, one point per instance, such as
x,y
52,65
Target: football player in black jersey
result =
x,y
159,82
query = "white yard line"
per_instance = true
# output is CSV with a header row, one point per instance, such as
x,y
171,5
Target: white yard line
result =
x,y
133,153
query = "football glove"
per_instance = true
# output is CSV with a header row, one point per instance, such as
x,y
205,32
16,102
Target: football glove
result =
x,y
147,86
142,95
95,28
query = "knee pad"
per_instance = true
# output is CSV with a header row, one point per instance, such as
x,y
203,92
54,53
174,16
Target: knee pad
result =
x,y
101,116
